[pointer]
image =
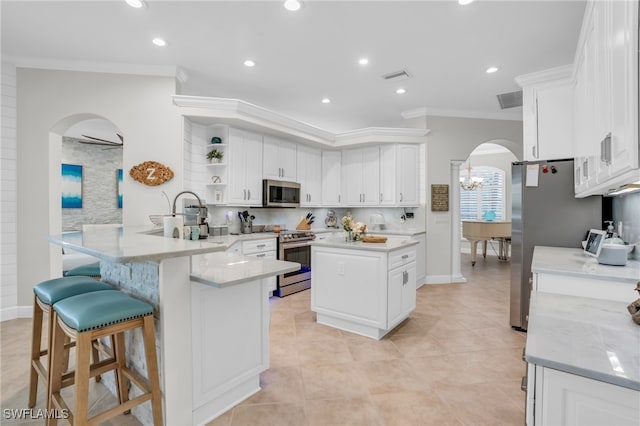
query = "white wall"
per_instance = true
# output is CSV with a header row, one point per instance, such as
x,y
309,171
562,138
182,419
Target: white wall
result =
x,y
8,184
454,139
140,106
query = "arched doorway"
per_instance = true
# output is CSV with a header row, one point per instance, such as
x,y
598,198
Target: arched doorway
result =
x,y
89,148
497,154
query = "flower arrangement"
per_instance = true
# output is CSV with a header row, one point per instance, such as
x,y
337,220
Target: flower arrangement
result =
x,y
355,230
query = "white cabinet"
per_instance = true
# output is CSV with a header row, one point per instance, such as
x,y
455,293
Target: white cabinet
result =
x,y
363,291
559,398
408,175
547,115
361,176
602,289
262,249
606,100
279,159
245,168
388,180
309,176
331,178
421,256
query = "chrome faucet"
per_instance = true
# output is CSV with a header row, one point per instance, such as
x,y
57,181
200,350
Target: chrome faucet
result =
x,y
173,210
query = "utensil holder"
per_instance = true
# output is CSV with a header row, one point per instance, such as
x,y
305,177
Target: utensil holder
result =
x,y
247,227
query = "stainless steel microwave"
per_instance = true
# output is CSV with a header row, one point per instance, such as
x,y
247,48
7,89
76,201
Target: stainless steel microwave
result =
x,y
277,193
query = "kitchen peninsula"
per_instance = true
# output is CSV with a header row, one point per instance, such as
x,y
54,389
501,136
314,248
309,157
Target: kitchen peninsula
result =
x,y
211,308
363,288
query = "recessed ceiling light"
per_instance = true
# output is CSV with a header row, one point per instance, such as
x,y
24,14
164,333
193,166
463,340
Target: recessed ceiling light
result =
x,y
292,5
464,2
135,3
159,42
363,61
249,63
491,70
326,100
401,91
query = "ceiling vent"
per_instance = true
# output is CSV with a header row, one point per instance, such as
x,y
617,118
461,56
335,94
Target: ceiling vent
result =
x,y
397,75
510,100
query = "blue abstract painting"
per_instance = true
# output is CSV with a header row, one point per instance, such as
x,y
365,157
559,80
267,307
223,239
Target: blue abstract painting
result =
x,y
119,173
71,186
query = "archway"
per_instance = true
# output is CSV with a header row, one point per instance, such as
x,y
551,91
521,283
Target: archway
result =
x,y
495,147
90,144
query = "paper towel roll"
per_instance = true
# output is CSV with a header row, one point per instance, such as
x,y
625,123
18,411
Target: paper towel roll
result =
x,y
173,226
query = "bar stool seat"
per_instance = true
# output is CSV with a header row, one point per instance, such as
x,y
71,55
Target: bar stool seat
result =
x,y
90,316
91,270
45,295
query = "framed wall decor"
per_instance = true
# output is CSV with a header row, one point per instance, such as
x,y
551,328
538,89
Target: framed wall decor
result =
x,y
440,198
71,186
119,187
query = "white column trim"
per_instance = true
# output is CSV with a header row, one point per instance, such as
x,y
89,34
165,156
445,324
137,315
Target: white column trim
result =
x,y
454,205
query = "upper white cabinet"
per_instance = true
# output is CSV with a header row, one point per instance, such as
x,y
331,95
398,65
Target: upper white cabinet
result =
x,y
388,181
361,174
310,176
606,98
408,175
547,99
245,168
331,178
279,159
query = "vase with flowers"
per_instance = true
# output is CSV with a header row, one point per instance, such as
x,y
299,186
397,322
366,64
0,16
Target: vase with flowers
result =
x,y
355,230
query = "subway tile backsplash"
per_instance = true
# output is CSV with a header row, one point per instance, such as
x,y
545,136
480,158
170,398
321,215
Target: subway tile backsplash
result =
x,y
626,209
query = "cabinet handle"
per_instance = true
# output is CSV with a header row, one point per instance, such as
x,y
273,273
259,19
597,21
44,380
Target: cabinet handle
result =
x,y
363,198
607,148
537,131
405,277
533,151
309,197
381,197
261,255
261,245
244,194
585,169
248,194
405,256
523,384
401,196
339,198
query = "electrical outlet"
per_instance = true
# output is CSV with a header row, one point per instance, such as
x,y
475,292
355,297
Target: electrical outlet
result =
x,y
409,215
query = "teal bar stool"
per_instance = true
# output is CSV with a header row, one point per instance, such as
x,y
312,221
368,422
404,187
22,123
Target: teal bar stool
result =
x,y
90,270
91,316
45,295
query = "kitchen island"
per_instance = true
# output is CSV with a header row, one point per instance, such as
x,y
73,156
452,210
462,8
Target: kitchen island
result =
x,y
211,309
363,288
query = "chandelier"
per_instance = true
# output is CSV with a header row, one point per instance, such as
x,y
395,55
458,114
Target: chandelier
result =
x,y
470,183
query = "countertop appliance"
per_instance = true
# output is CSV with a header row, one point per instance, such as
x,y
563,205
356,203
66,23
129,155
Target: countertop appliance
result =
x,y
547,214
278,193
295,246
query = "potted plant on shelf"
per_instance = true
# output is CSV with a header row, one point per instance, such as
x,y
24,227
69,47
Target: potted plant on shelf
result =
x,y
215,155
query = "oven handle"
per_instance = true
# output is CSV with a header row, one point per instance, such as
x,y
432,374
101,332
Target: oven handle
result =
x,y
294,245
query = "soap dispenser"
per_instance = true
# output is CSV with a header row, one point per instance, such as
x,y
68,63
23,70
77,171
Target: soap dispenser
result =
x,y
611,233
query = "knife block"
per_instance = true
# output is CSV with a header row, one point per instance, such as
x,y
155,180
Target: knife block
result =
x,y
303,225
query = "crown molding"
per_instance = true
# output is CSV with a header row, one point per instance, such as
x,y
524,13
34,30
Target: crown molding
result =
x,y
91,66
514,115
556,74
244,114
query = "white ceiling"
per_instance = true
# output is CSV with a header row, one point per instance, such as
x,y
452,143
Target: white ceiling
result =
x,y
306,55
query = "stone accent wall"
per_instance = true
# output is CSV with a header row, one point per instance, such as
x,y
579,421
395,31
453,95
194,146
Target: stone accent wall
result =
x,y
99,184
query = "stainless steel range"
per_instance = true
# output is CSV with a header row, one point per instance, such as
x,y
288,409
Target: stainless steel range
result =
x,y
295,246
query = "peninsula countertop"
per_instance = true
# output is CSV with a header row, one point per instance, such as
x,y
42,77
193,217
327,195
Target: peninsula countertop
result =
x,y
404,232
592,338
390,245
573,262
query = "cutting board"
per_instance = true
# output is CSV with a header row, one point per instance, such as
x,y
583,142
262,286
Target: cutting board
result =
x,y
373,239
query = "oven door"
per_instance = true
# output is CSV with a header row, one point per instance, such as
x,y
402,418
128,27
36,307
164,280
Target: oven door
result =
x,y
299,252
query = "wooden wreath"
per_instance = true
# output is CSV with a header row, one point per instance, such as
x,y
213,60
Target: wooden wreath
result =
x,y
151,173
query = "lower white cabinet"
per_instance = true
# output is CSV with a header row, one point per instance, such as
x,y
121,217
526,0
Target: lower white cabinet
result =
x,y
603,289
421,256
263,249
363,291
559,398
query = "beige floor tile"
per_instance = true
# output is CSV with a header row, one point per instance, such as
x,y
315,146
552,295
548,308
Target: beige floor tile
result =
x,y
279,385
392,376
365,349
414,409
315,331
417,346
283,353
337,381
346,412
318,352
269,415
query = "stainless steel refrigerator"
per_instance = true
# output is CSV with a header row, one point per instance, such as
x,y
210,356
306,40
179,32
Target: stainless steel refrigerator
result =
x,y
544,215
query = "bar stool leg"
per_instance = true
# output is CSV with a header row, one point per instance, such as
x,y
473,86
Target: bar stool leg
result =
x,y
57,368
82,374
36,341
148,332
122,383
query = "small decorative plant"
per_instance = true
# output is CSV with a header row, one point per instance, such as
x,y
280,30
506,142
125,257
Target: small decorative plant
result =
x,y
215,155
355,230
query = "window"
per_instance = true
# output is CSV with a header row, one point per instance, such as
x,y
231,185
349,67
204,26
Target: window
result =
x,y
490,196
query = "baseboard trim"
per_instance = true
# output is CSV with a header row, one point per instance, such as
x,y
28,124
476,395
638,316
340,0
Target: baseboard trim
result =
x,y
445,279
14,312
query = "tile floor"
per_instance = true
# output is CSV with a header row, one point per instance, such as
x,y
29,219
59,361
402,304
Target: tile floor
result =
x,y
455,361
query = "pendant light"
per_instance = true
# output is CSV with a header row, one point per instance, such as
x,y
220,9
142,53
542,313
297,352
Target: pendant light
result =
x,y
469,183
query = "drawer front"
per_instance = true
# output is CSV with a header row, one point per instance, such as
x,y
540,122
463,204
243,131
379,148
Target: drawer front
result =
x,y
256,246
263,255
401,257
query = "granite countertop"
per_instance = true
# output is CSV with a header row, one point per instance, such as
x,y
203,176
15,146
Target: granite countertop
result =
x,y
390,245
227,269
573,262
592,338
403,232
